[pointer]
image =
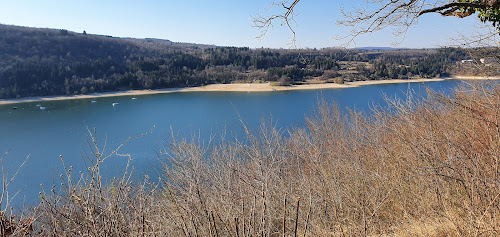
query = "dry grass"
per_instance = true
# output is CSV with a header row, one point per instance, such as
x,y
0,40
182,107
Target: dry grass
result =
x,y
427,167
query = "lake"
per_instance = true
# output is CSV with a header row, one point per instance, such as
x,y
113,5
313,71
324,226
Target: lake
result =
x,y
61,128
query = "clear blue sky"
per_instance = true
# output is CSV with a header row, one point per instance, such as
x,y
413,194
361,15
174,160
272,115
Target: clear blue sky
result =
x,y
218,22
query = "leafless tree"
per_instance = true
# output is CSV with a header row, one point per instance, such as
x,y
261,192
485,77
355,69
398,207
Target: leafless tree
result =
x,y
375,15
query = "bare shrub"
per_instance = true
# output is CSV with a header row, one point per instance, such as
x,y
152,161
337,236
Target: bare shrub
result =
x,y
422,167
413,165
88,205
10,224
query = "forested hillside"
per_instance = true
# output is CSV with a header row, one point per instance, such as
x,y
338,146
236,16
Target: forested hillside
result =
x,y
41,62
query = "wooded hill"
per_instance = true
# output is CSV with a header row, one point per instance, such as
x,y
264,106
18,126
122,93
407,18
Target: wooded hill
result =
x,y
42,62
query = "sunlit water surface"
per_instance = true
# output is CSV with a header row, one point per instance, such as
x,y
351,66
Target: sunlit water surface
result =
x,y
61,128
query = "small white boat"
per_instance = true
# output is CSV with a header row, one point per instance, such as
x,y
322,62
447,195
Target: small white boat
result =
x,y
93,102
38,105
134,98
115,104
42,108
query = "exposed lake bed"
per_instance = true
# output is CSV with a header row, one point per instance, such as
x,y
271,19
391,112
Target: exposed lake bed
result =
x,y
240,87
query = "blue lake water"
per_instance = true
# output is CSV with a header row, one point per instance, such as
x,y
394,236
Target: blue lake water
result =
x,y
60,129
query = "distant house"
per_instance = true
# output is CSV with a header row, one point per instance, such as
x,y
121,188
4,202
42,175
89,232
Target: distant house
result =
x,y
489,61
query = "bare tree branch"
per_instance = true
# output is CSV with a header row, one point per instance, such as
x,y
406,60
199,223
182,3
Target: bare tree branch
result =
x,y
399,15
265,23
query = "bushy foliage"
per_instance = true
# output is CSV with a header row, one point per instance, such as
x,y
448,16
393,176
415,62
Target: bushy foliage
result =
x,y
488,13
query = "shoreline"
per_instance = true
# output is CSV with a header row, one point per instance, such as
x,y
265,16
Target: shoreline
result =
x,y
237,87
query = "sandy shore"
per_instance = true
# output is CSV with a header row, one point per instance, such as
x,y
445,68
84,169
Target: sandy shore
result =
x,y
235,87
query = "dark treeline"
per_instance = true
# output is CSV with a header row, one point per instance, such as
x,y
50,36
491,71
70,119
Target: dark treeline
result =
x,y
41,62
